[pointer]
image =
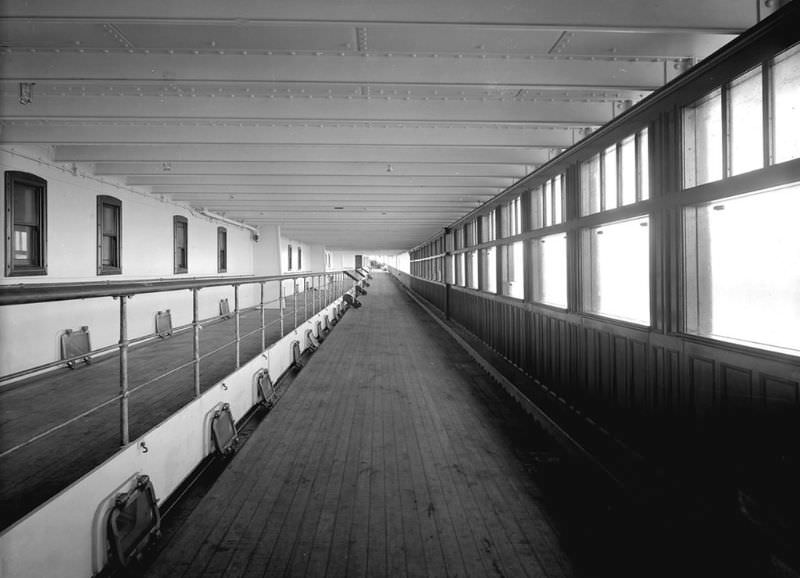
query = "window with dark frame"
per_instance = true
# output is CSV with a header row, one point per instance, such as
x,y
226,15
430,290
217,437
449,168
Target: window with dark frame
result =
x,y
26,224
222,250
109,235
299,258
289,252
181,243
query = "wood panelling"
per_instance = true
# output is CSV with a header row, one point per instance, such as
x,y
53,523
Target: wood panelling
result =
x,y
620,374
703,385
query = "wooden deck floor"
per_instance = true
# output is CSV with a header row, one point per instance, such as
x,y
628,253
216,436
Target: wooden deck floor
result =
x,y
31,475
387,456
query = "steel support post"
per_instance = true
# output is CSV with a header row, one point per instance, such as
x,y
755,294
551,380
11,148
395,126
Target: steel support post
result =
x,y
196,339
281,304
236,322
263,324
124,427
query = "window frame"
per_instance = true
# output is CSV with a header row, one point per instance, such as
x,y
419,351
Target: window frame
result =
x,y
179,221
289,253
102,202
222,250
12,268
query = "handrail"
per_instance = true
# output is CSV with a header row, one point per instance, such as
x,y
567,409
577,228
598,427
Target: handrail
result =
x,y
42,292
330,283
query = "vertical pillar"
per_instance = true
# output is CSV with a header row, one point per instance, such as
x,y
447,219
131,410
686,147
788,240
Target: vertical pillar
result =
x,y
236,322
124,428
196,339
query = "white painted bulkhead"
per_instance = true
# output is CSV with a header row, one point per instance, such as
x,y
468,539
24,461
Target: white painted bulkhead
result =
x,y
30,334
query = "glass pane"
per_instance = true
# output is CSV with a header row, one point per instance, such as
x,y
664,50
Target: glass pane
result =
x,y
590,186
746,123
537,208
461,264
548,202
550,270
24,241
786,76
746,278
514,271
473,269
644,166
490,269
109,246
629,170
109,224
702,141
618,273
26,208
558,201
610,178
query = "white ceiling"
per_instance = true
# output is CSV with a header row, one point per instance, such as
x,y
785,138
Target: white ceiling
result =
x,y
404,114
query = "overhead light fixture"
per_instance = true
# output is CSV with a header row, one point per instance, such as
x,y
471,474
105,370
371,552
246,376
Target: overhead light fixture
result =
x,y
166,167
389,168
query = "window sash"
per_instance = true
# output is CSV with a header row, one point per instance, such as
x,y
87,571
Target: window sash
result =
x,y
26,222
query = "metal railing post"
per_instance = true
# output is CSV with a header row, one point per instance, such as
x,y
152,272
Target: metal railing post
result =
x,y
281,304
263,324
305,298
236,323
124,427
196,339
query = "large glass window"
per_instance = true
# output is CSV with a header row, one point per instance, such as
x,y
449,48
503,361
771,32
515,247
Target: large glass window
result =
x,y
461,269
616,177
590,186
109,235
616,270
489,270
26,224
472,269
488,232
513,263
180,235
743,268
547,203
746,122
786,87
702,141
512,218
550,270
610,178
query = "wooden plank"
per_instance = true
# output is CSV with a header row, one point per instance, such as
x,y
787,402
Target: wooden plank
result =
x,y
380,467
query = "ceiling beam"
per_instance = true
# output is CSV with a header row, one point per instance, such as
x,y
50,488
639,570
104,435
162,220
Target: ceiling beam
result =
x,y
381,153
549,110
386,180
712,15
523,73
312,168
445,135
